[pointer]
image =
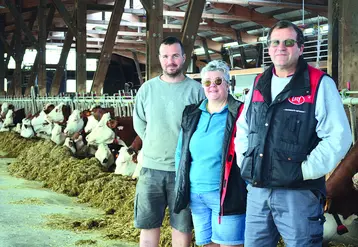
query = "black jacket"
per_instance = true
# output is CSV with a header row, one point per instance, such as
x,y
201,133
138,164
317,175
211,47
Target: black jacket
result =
x,y
233,187
282,131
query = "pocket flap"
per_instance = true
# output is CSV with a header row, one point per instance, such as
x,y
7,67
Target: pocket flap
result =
x,y
286,156
249,151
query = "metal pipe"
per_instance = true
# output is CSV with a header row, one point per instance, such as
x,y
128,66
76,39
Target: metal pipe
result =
x,y
353,118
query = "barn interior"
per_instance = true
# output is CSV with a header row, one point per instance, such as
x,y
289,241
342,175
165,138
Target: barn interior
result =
x,y
79,46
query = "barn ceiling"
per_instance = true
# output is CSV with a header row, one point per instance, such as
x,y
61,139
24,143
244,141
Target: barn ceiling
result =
x,y
222,21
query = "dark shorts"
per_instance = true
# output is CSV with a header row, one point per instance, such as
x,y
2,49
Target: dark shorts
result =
x,y
154,192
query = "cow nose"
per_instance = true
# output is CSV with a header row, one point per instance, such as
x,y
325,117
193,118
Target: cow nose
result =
x,y
105,161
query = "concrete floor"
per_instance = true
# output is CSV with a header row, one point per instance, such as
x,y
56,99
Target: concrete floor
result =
x,y
23,224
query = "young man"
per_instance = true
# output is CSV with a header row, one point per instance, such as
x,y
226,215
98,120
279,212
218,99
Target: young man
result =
x,y
157,117
292,132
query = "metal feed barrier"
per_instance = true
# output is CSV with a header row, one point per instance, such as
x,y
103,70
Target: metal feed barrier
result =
x,y
122,102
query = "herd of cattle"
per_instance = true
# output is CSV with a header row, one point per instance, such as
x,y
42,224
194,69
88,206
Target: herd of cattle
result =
x,y
113,141
93,132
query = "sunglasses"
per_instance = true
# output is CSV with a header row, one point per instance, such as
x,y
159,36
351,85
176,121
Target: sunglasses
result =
x,y
218,81
287,42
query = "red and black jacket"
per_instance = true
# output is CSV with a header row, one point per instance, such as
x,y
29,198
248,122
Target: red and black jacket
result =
x,y
232,186
282,131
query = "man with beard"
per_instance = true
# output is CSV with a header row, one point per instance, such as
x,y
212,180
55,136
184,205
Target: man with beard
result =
x,y
157,117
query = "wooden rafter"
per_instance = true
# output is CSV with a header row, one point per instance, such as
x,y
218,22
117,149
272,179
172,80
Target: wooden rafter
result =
x,y
65,15
108,45
22,23
81,45
246,14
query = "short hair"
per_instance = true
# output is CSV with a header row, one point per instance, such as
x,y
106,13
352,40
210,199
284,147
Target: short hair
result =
x,y
172,40
287,24
217,65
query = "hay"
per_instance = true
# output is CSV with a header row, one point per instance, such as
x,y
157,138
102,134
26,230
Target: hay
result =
x,y
42,160
32,201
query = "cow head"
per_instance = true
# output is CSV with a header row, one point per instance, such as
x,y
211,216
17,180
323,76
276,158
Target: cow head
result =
x,y
70,144
102,133
9,119
104,155
91,124
4,109
56,115
26,129
57,136
74,124
124,164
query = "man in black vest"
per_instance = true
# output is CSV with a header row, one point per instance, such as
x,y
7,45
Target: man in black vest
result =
x,y
292,132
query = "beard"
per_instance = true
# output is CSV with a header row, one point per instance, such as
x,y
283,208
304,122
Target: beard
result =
x,y
175,73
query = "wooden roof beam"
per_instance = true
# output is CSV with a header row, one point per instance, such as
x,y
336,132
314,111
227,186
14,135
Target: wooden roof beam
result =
x,y
108,45
70,22
23,25
190,27
246,14
288,5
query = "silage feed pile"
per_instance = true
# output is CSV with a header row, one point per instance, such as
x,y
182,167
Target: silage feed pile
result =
x,y
42,160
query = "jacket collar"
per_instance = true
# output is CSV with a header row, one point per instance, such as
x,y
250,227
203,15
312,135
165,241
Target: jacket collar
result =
x,y
298,85
233,105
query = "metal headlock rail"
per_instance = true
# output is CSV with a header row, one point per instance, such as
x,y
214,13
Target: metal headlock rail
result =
x,y
351,102
123,102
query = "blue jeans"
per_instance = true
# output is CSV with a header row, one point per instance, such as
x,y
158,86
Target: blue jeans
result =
x,y
205,208
296,215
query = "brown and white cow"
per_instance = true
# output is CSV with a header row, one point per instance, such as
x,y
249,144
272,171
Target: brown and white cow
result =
x,y
342,196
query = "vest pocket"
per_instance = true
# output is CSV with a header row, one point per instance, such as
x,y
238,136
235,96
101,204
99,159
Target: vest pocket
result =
x,y
286,168
247,164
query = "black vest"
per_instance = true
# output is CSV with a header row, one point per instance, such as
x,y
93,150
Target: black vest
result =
x,y
282,132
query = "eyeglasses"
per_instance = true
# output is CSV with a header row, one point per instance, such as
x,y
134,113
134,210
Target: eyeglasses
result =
x,y
218,81
287,42
173,57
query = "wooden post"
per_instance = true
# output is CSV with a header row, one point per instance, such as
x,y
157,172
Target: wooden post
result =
x,y
81,46
17,76
41,79
347,46
137,66
2,57
190,27
333,41
107,48
154,9
241,49
56,81
35,67
206,49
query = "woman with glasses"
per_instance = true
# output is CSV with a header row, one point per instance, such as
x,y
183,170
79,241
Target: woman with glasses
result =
x,y
208,179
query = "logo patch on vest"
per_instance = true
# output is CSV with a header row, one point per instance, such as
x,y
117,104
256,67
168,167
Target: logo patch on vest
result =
x,y
297,100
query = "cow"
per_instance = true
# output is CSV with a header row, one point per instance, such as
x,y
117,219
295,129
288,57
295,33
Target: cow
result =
x,y
74,124
105,156
37,125
101,133
57,136
342,196
4,109
59,114
129,161
8,122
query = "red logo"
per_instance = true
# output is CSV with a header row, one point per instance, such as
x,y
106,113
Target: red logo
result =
x,y
297,100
